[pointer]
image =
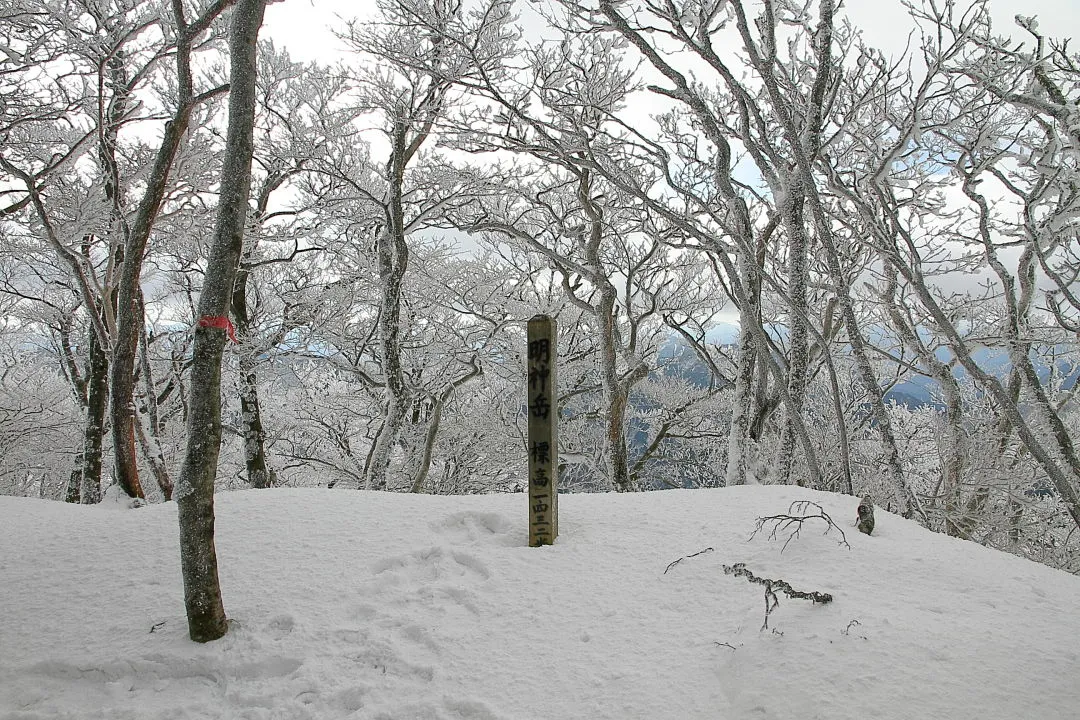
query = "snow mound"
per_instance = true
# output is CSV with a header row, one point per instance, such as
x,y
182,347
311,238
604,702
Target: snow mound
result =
x,y
347,604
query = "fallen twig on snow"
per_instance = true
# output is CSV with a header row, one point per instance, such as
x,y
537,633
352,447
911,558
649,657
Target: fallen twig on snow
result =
x,y
673,563
850,625
771,586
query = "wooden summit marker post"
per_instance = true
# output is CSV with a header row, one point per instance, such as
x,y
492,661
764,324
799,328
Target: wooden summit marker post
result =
x,y
543,433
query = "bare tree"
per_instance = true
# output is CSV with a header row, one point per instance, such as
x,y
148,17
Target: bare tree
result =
x,y
130,311
195,494
778,123
409,93
41,143
104,56
961,120
282,115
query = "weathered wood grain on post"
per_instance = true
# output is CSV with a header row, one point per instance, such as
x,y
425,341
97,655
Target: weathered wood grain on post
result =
x,y
543,432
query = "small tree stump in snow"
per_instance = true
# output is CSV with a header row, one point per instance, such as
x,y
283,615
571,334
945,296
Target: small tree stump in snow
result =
x,y
865,521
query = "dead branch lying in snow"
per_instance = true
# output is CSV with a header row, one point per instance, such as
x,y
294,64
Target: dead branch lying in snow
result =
x,y
792,522
771,586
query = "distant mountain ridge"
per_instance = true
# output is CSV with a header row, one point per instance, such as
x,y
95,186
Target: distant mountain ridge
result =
x,y
680,360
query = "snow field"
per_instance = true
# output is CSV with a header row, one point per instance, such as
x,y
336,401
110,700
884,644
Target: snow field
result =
x,y
348,604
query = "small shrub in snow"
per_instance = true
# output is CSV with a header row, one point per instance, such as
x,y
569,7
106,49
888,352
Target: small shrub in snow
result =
x,y
792,522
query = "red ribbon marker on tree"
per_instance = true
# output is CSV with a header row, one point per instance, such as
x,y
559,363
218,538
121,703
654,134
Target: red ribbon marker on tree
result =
x,y
222,322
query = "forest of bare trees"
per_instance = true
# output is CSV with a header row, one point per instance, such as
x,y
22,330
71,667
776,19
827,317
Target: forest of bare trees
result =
x,y
775,255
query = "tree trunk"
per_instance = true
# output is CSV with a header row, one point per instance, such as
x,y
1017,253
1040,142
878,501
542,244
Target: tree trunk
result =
x,y
258,472
393,260
130,316
798,348
424,466
129,309
615,442
615,390
195,494
739,431
149,440
74,486
152,452
391,271
97,398
952,451
905,498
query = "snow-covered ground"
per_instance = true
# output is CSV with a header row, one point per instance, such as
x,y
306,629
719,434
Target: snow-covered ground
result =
x,y
348,604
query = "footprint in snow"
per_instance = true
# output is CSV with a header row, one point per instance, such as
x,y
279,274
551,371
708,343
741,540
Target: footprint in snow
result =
x,y
431,564
341,702
280,626
273,667
441,579
377,657
447,710
471,528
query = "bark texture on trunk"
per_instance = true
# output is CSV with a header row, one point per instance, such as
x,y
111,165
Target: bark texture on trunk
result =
x,y
798,349
74,489
258,471
738,445
97,399
952,452
195,494
148,425
393,260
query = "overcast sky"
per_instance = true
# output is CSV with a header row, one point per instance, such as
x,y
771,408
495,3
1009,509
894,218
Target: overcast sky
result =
x,y
302,26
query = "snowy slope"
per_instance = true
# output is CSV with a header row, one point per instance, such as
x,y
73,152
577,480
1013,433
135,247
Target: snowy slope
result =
x,y
347,604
